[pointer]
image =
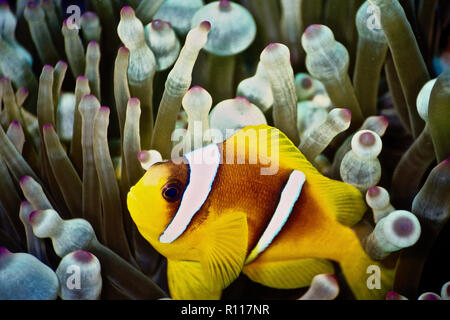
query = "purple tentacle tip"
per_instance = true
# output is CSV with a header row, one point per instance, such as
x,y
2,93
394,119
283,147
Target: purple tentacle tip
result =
x,y
4,252
392,295
224,5
134,101
158,24
127,12
347,115
367,139
403,227
24,203
385,120
271,46
313,30
33,215
24,179
15,123
143,156
206,25
89,15
307,83
83,256
429,296
47,126
242,99
32,4
373,192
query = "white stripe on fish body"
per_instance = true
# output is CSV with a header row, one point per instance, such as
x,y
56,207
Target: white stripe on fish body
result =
x,y
289,196
203,164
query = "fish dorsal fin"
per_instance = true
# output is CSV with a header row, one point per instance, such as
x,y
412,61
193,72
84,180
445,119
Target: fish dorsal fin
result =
x,y
186,281
224,249
288,274
342,200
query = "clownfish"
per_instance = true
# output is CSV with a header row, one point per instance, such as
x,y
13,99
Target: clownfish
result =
x,y
213,215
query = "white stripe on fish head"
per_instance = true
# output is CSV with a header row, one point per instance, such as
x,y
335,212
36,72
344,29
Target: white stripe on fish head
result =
x,y
289,196
203,165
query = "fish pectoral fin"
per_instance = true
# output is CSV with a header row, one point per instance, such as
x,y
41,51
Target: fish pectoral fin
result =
x,y
187,281
288,274
224,249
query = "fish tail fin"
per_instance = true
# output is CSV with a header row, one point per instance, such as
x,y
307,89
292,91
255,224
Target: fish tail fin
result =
x,y
368,279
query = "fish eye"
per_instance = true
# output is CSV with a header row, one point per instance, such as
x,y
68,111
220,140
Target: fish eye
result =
x,y
172,191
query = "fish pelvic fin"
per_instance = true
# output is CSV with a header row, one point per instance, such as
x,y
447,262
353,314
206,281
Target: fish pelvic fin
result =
x,y
368,279
290,274
224,249
187,281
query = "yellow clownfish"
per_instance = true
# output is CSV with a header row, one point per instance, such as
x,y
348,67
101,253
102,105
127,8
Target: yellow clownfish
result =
x,y
214,215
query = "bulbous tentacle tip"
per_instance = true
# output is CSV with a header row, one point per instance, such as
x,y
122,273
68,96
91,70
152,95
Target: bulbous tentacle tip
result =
x,y
272,46
34,216
158,24
82,78
346,114
4,252
4,5
62,63
127,12
332,278
89,15
24,91
104,110
429,296
206,25
89,97
392,295
47,126
47,68
24,179
15,123
195,88
374,192
143,156
306,83
367,139
134,101
124,50
83,256
385,120
243,100
313,30
445,291
403,227
32,5
25,203
224,5
93,44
